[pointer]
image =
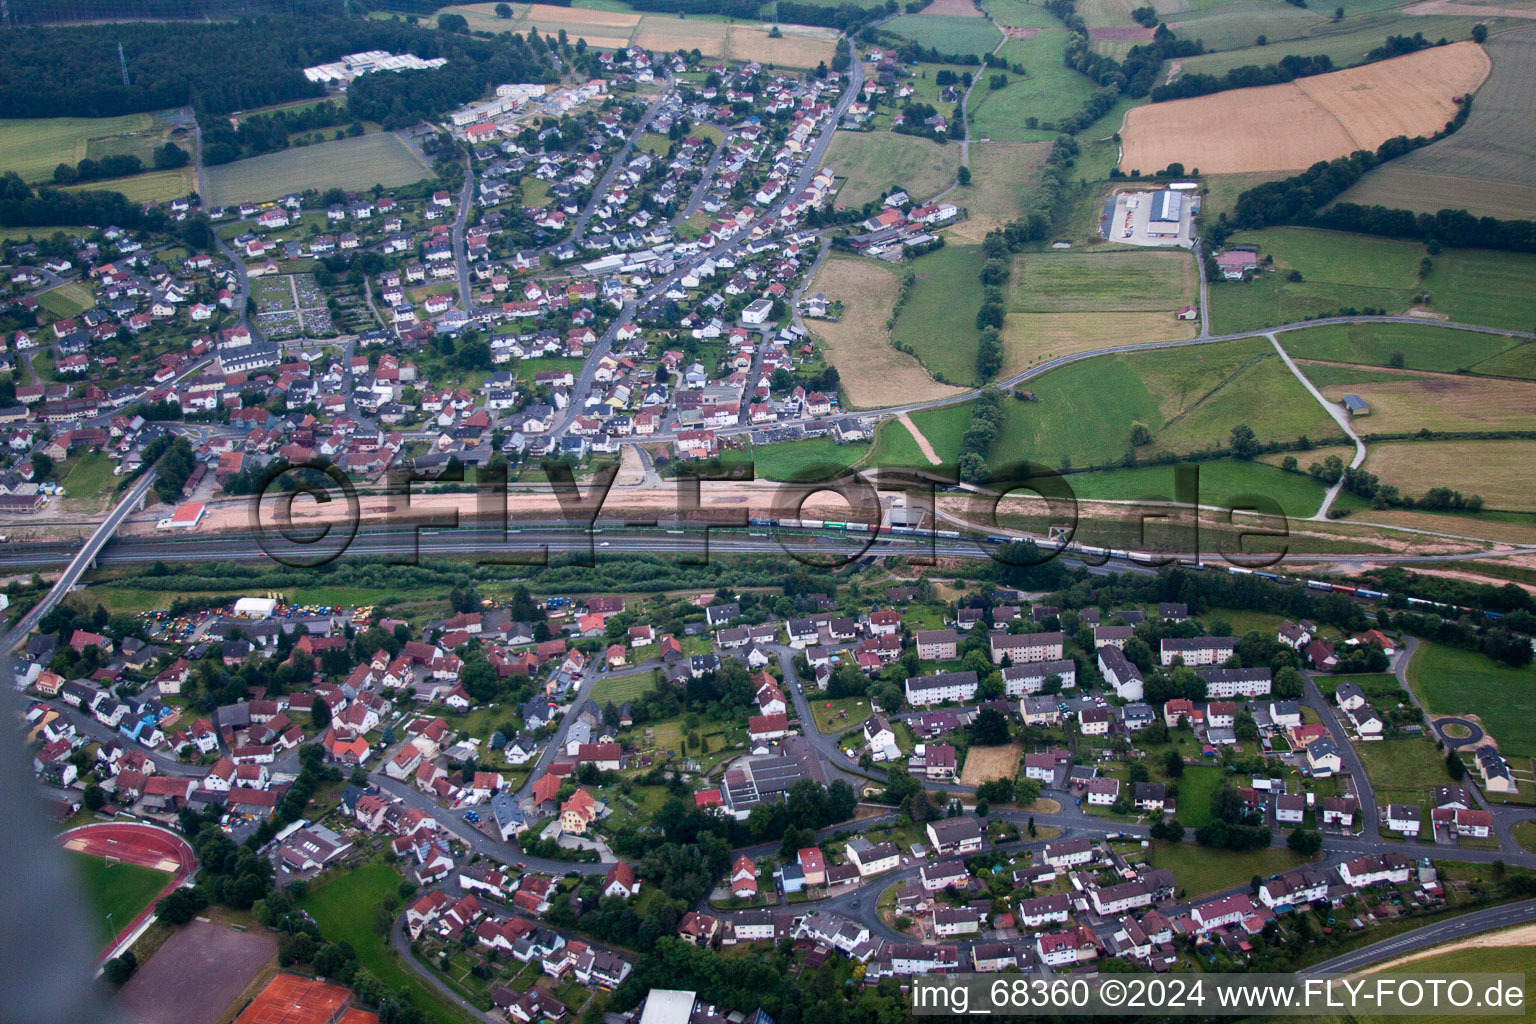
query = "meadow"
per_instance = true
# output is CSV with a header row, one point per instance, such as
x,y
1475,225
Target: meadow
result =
x,y
1033,338
120,890
1201,870
1404,403
342,905
1083,281
1479,167
946,33
1421,347
875,163
872,372
1048,91
1450,681
356,163
1340,270
1495,470
1223,482
817,457
67,299
150,187
938,320
33,147
1002,173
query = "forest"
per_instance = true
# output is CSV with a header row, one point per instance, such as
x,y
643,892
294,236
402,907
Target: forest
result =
x,y
74,71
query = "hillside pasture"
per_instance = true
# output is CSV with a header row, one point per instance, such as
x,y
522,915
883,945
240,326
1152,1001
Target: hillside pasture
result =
x,y
1408,403
151,187
33,147
1189,398
1001,175
1048,91
875,163
356,163
1421,347
1494,469
946,33
1292,126
1343,271
873,373
1479,168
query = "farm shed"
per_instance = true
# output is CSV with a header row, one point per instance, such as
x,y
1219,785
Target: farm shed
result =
x,y
1356,405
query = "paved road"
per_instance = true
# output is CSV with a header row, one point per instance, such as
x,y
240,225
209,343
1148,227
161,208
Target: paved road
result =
x,y
1340,416
617,163
1313,697
460,256
1430,935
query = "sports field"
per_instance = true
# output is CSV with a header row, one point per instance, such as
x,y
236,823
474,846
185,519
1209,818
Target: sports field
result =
x,y
116,893
33,147
1414,347
1115,281
938,320
1048,91
876,163
1002,174
1346,271
356,163
1292,126
196,974
1484,167
947,33
873,374
1455,682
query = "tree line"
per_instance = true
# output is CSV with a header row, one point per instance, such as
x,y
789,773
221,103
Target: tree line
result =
x,y
167,157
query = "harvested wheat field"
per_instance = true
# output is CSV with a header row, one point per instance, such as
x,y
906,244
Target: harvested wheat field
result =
x,y
1440,402
1032,338
800,46
873,373
984,764
1494,469
1292,126
953,8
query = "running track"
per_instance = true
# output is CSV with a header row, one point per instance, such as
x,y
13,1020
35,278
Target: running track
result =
x,y
145,845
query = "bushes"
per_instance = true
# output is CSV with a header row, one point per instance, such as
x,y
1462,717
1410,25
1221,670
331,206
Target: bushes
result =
x,y
1286,70
986,422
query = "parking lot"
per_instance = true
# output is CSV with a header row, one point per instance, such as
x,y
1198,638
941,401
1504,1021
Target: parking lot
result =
x,y
1127,218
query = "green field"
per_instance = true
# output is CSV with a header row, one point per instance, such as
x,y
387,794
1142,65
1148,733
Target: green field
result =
x,y
1450,681
939,318
356,163
529,368
1070,282
1200,870
1422,348
946,33
1525,834
621,688
877,163
1488,960
151,187
88,476
1340,270
1189,399
67,299
799,459
121,891
1403,764
1223,482
34,147
1477,168
1048,91
343,908
1195,788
